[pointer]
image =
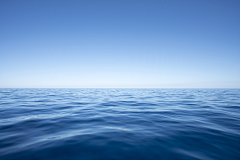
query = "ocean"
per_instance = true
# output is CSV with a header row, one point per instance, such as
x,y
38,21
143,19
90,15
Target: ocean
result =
x,y
120,124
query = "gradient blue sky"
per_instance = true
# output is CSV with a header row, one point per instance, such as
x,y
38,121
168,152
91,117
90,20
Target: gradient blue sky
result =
x,y
120,43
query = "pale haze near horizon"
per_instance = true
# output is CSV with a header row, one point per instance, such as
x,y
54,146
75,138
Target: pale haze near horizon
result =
x,y
119,44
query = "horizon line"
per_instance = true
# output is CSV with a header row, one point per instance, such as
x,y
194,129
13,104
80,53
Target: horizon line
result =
x,y
118,88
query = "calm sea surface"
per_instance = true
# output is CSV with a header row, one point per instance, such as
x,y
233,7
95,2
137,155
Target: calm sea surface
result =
x,y
135,124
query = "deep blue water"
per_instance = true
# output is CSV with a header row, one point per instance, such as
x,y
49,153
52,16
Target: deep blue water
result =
x,y
101,124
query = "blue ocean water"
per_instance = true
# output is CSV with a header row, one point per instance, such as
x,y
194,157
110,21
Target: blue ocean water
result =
x,y
102,124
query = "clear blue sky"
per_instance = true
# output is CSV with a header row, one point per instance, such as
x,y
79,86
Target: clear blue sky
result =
x,y
120,43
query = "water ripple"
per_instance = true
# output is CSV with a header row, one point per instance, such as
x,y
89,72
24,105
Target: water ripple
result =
x,y
120,124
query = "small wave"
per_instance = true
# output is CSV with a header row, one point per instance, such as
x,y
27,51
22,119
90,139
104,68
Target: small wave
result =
x,y
120,124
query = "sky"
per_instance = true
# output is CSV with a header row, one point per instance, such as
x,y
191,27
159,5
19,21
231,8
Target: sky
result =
x,y
119,44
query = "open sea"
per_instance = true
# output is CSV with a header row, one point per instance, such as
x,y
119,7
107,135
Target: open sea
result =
x,y
120,124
